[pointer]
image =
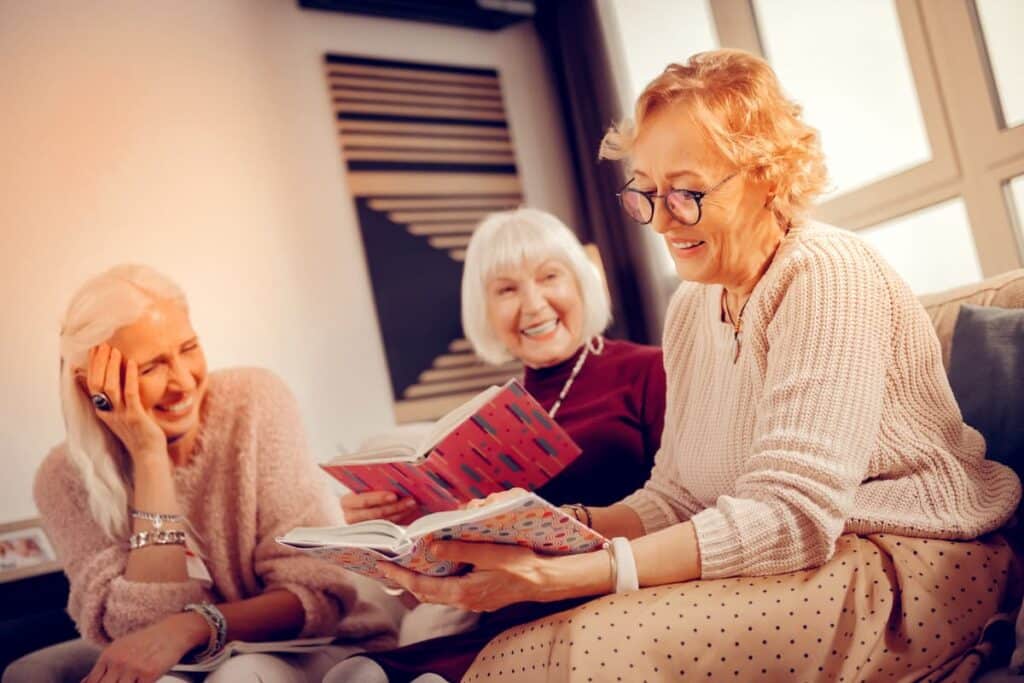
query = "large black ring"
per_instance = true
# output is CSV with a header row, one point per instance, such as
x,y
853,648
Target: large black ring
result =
x,y
102,402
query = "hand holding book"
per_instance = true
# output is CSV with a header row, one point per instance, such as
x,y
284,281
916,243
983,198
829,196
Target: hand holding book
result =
x,y
498,440
517,520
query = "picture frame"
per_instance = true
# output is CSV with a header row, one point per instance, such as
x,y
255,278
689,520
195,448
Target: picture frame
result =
x,y
25,550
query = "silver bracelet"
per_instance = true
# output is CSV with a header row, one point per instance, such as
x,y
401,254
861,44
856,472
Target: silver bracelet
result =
x,y
218,628
141,539
626,576
615,567
158,519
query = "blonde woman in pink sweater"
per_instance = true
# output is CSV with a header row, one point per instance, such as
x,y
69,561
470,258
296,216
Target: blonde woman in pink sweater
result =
x,y
164,501
818,509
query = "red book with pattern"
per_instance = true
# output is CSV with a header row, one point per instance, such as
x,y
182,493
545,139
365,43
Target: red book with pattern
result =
x,y
499,440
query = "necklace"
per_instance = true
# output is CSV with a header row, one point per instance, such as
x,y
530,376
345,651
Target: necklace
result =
x,y
737,325
598,343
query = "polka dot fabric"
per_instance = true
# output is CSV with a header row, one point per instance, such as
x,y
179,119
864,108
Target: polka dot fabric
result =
x,y
884,608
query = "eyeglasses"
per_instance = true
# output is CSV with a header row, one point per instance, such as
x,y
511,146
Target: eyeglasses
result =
x,y
684,205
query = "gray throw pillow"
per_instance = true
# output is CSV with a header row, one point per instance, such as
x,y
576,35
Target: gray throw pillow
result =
x,y
986,372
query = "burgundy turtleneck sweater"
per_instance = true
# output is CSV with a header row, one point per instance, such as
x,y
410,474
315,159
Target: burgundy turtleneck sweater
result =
x,y
614,411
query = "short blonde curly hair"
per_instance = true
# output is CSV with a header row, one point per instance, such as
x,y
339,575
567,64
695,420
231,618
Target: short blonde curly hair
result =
x,y
738,100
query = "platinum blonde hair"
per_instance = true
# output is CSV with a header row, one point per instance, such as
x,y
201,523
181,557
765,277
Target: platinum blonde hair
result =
x,y
508,239
105,303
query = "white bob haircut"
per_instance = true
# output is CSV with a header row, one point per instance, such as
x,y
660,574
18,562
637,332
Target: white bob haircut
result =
x,y
509,239
105,303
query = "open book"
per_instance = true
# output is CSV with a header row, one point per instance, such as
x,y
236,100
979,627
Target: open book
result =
x,y
240,647
499,439
527,520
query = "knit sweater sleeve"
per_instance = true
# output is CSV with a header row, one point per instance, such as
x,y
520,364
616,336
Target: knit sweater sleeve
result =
x,y
663,500
653,405
103,604
292,493
818,418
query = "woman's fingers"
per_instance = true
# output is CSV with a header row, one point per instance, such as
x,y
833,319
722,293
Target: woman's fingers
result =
x,y
97,368
131,387
496,498
393,512
112,379
370,499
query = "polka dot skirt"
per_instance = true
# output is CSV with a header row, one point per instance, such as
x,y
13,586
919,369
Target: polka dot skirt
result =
x,y
884,608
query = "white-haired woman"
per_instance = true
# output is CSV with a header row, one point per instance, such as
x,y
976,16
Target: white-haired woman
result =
x,y
165,499
530,293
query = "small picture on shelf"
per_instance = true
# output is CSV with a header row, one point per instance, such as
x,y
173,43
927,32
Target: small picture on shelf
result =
x,y
25,551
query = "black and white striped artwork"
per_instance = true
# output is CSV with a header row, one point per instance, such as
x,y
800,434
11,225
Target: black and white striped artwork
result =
x,y
428,153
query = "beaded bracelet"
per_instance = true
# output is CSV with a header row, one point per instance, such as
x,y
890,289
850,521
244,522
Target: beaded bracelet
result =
x,y
218,628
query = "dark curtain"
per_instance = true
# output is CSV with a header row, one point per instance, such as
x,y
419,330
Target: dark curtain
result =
x,y
570,32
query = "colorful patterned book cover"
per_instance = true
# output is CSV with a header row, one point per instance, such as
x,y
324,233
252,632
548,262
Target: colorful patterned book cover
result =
x,y
509,442
528,521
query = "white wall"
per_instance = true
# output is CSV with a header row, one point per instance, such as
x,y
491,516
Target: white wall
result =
x,y
197,136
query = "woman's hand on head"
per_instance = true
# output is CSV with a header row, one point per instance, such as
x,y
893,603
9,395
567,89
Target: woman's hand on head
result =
x,y
147,654
360,507
110,374
502,575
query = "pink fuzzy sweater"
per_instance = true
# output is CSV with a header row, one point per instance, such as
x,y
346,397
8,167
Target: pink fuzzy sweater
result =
x,y
837,417
251,479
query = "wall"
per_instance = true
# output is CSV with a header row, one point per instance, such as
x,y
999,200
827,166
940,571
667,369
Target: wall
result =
x,y
197,137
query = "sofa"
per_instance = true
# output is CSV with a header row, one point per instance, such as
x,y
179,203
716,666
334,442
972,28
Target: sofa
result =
x,y
34,623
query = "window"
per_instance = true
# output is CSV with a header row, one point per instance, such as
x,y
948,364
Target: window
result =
x,y
919,104
1001,22
950,259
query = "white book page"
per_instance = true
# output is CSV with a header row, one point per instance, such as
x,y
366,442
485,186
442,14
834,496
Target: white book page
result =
x,y
299,645
405,449
378,534
453,419
440,520
401,451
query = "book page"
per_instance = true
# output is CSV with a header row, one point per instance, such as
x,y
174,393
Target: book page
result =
x,y
378,533
440,520
456,417
298,646
399,451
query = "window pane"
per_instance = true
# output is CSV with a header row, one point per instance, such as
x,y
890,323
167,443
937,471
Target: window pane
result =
x,y
1001,23
656,33
932,249
1015,190
845,62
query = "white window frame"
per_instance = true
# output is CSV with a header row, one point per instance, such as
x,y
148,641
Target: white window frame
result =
x,y
973,156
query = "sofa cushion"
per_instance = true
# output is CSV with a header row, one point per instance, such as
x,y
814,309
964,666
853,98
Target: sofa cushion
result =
x,y
1006,291
986,373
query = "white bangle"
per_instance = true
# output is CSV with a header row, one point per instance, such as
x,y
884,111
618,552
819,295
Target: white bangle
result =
x,y
626,578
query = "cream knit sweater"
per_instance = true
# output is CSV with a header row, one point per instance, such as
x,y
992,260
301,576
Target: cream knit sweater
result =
x,y
836,418
251,479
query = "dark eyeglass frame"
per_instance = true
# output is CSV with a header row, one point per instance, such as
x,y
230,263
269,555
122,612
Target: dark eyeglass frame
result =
x,y
695,195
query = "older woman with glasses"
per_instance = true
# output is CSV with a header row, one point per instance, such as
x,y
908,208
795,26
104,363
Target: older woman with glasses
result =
x,y
818,509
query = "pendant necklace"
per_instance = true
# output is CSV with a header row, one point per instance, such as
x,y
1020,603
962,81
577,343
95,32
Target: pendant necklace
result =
x,y
737,325
598,343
